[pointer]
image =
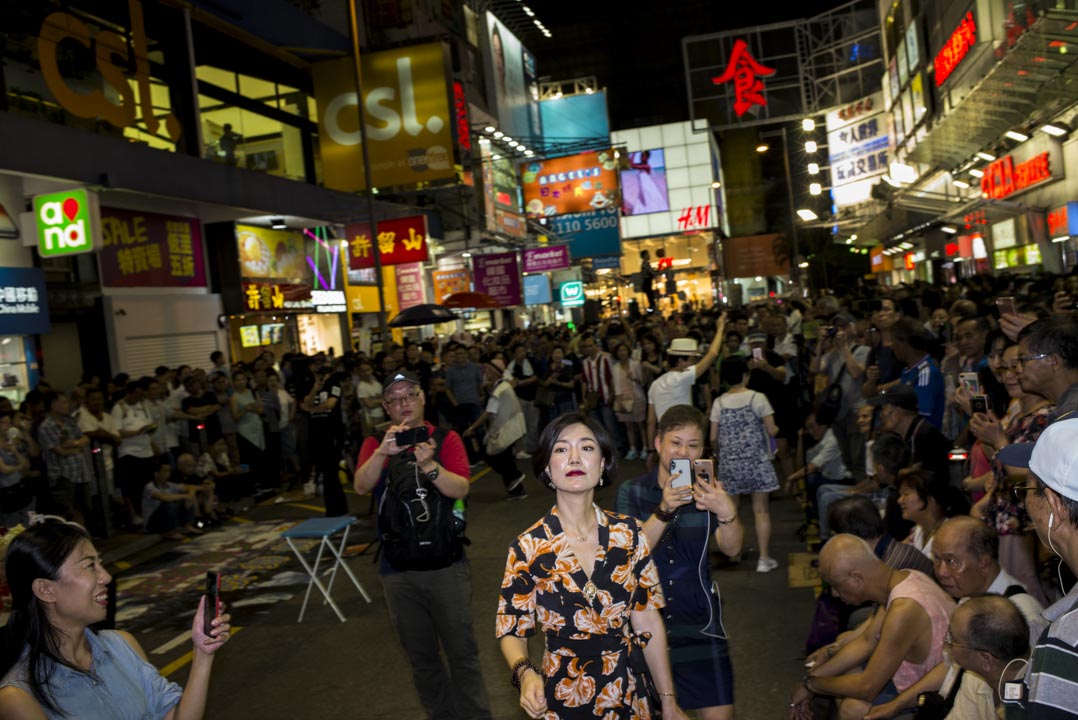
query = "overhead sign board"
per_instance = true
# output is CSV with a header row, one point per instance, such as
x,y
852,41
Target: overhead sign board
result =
x,y
571,184
571,294
24,307
857,148
68,223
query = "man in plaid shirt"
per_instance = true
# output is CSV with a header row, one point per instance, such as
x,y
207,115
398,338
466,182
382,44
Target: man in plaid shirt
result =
x,y
66,450
599,382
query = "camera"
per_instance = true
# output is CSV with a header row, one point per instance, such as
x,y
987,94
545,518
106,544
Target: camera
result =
x,y
412,436
830,331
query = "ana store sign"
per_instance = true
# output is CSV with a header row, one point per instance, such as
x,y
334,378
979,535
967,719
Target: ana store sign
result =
x,y
67,223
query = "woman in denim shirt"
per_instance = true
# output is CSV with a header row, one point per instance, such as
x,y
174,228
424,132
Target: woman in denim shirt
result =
x,y
54,666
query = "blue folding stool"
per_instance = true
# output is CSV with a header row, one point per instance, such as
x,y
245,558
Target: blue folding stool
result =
x,y
323,529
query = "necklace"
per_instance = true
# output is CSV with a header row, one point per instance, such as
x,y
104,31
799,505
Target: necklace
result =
x,y
584,537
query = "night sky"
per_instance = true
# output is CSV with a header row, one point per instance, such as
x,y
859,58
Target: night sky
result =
x,y
636,53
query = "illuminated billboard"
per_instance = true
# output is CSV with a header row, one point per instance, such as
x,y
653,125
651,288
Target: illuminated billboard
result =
x,y
857,149
571,184
512,82
643,183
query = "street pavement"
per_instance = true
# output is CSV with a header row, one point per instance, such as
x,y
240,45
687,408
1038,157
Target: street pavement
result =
x,y
275,667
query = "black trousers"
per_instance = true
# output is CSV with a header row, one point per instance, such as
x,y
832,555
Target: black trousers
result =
x,y
325,453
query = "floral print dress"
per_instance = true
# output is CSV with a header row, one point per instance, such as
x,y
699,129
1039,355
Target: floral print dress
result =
x,y
1004,512
586,663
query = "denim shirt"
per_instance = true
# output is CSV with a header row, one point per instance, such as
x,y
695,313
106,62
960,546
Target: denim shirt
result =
x,y
120,684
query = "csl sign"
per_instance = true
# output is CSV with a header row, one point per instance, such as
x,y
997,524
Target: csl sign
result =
x,y
68,223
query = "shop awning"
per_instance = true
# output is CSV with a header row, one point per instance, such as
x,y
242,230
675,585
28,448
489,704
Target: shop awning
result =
x,y
1035,79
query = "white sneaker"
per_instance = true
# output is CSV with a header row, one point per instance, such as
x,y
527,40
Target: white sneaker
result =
x,y
766,565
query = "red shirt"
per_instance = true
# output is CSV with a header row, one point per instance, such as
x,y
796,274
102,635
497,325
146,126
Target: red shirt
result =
x,y
450,454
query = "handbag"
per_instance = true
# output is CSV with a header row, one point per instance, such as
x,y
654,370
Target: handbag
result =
x,y
832,400
623,403
544,397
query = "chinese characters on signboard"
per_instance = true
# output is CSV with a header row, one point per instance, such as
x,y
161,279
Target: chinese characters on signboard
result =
x,y
402,240
410,285
857,147
546,258
447,282
745,72
140,249
498,276
24,307
955,49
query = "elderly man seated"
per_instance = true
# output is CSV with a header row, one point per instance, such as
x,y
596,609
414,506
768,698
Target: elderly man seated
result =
x,y
902,642
967,565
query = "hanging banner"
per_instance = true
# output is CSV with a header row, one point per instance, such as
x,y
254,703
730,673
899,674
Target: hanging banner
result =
x,y
141,249
499,277
543,259
447,282
401,240
272,254
410,285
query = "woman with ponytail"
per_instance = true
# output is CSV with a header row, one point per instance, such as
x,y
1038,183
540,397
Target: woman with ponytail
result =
x,y
53,665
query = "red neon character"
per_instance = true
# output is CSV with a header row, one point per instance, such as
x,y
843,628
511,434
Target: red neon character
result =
x,y
746,72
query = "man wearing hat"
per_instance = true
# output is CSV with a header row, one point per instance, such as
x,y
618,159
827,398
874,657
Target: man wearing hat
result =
x,y
1052,502
675,387
899,414
428,608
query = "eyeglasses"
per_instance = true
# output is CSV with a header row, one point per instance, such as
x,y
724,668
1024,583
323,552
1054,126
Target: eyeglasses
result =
x,y
1023,359
401,399
1019,492
952,563
948,640
1010,368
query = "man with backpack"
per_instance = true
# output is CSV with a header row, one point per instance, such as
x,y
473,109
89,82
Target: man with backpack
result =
x,y
419,476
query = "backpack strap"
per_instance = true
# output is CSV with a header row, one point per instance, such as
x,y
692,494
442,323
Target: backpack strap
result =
x,y
1013,590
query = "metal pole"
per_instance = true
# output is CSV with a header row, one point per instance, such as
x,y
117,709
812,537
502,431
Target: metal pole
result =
x,y
795,273
353,31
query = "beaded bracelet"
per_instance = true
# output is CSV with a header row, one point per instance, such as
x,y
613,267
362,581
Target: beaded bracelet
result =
x,y
663,515
521,664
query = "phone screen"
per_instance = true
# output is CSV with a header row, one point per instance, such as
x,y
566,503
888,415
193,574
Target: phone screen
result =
x,y
978,404
757,353
705,469
971,382
682,467
412,436
1006,306
212,608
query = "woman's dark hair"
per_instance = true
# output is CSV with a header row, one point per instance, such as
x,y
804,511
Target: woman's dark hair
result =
x,y
950,500
891,452
38,552
998,397
553,431
856,515
734,369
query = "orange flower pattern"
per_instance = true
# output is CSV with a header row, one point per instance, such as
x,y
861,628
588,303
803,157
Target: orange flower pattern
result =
x,y
586,659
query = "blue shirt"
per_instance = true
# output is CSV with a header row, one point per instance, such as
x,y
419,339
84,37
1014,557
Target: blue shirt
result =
x,y
927,380
120,684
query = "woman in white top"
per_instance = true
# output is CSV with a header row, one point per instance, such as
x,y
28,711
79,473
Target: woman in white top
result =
x,y
247,413
920,506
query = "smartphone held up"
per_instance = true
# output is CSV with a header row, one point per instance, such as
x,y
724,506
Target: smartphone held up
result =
x,y
212,609
681,470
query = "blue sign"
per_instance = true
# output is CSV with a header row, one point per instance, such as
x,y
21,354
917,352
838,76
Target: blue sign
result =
x,y
611,262
537,290
574,119
589,233
24,307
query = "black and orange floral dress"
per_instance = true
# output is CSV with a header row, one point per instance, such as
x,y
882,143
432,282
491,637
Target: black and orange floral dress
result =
x,y
586,664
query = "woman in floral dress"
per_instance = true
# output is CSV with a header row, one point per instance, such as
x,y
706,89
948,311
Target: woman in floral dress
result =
x,y
585,577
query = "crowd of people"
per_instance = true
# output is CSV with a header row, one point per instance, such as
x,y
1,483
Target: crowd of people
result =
x,y
902,418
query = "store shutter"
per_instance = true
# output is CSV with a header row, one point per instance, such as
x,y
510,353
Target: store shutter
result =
x,y
143,354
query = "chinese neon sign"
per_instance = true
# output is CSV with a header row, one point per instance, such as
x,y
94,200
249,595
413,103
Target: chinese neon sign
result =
x,y
399,241
745,72
460,109
1003,177
955,49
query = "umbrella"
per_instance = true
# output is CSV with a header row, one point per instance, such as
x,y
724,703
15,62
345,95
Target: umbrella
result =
x,y
477,300
422,315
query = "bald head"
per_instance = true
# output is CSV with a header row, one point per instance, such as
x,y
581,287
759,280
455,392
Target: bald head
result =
x,y
185,464
845,553
992,624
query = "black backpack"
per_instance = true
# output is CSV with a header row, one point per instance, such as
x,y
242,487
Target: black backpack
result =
x,y
416,523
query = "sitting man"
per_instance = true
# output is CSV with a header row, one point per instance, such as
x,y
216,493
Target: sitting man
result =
x,y
203,485
825,473
891,652
966,556
168,507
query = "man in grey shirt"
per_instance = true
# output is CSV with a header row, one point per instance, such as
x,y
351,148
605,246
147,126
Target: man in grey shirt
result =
x,y
464,381
841,357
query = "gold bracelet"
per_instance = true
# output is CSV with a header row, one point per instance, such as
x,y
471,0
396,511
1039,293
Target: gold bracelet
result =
x,y
728,520
662,694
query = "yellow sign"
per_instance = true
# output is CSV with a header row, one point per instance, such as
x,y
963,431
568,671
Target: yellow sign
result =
x,y
362,298
406,113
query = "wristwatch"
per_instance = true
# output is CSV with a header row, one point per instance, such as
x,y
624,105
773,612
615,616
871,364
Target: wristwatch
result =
x,y
432,475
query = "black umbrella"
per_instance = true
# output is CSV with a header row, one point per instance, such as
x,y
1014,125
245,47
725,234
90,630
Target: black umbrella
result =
x,y
422,315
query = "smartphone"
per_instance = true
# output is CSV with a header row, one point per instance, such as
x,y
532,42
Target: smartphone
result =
x,y
212,609
971,381
704,469
978,404
1006,306
683,468
412,436
757,353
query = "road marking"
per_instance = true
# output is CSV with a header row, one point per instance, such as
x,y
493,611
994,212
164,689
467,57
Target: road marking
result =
x,y
480,474
122,564
181,638
307,507
237,518
187,656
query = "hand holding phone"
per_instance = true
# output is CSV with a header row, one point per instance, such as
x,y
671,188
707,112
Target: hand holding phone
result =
x,y
212,608
1006,306
978,404
971,381
681,469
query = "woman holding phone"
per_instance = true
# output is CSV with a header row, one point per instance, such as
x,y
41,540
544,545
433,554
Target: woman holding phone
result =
x,y
53,665
584,577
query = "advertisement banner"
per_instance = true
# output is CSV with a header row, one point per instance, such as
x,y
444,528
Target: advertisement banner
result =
x,y
271,297
407,114
362,298
447,282
401,240
537,290
68,223
756,255
512,224
589,234
498,276
542,259
857,149
576,118
140,249
272,254
410,285
643,184
512,82
571,184
24,305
